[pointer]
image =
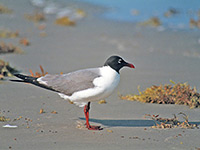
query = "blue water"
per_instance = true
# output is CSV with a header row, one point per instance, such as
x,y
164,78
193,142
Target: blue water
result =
x,y
120,10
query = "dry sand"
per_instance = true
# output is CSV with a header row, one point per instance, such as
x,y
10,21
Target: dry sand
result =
x,y
158,57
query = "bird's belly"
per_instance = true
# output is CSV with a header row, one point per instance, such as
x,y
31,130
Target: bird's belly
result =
x,y
97,93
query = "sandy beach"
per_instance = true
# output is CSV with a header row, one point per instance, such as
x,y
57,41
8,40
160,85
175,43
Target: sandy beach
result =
x,y
159,56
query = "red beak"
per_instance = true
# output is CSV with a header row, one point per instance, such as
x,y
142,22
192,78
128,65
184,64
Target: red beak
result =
x,y
131,66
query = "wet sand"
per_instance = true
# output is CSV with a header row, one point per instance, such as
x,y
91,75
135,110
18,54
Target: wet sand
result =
x,y
158,57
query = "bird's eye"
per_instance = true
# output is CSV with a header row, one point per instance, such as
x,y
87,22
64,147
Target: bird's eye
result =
x,y
119,61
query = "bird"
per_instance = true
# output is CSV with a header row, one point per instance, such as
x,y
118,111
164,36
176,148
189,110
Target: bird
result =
x,y
83,86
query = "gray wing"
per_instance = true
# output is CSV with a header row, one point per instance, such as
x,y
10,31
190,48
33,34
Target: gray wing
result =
x,y
71,82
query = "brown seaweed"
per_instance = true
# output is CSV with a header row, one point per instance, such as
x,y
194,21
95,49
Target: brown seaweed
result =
x,y
171,12
37,74
5,10
35,17
182,94
65,21
9,48
8,34
24,41
6,69
195,23
153,21
172,122
4,119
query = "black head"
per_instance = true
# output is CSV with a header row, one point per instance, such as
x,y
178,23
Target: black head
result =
x,y
116,63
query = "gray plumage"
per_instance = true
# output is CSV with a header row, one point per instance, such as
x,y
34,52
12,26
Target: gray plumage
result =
x,y
71,82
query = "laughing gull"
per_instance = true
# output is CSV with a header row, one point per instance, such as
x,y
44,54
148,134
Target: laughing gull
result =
x,y
83,86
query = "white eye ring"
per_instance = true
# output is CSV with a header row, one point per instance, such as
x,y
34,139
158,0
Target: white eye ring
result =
x,y
119,61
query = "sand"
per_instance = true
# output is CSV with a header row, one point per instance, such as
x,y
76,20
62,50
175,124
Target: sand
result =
x,y
158,57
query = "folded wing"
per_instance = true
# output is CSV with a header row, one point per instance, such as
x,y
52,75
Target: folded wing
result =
x,y
71,82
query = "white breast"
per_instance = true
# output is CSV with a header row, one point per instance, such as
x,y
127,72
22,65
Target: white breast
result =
x,y
109,80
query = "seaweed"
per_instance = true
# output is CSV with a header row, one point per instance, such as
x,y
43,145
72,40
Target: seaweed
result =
x,y
172,122
35,17
81,13
6,69
171,12
195,23
182,94
24,41
37,74
5,10
65,21
9,48
8,34
153,21
102,102
4,119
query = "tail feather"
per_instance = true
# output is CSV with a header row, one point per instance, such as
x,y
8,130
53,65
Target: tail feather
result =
x,y
32,80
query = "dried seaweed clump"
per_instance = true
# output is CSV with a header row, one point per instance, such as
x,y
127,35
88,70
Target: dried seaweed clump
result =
x,y
8,34
154,22
6,70
5,10
4,119
102,102
80,13
195,23
35,17
65,21
9,48
37,74
181,94
64,18
163,123
24,41
171,12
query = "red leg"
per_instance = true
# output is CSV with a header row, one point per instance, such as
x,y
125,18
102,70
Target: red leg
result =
x,y
86,112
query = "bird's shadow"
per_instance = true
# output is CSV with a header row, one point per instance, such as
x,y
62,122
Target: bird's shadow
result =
x,y
123,122
127,123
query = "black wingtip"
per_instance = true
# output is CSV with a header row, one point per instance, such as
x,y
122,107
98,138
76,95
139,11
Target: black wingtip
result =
x,y
17,75
27,79
16,80
32,80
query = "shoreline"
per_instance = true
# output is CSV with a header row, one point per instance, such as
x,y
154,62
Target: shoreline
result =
x,y
170,15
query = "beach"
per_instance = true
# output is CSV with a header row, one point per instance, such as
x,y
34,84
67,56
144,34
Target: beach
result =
x,y
159,56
